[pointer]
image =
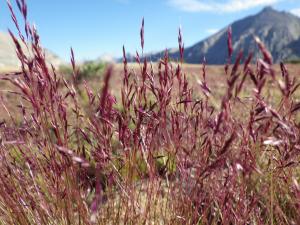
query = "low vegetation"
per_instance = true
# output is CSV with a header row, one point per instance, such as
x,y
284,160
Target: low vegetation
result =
x,y
164,152
295,61
86,71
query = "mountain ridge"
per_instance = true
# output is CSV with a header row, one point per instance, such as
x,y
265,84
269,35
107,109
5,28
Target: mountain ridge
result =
x,y
8,56
278,30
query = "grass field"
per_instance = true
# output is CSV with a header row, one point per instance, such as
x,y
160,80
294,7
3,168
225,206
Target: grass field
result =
x,y
146,143
216,78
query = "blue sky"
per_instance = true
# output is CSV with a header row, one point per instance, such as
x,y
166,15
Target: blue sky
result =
x,y
99,27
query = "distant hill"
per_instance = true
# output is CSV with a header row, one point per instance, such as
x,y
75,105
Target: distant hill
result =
x,y
9,59
279,31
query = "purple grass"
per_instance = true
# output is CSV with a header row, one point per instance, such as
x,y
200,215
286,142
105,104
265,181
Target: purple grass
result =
x,y
162,152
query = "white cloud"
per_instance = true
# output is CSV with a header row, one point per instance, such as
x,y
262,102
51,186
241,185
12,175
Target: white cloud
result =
x,y
212,30
296,11
214,6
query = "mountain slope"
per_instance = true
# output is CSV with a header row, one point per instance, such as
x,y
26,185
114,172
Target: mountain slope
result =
x,y
9,59
279,31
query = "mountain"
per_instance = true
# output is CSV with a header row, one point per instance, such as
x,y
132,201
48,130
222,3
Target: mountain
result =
x,y
107,58
279,31
9,59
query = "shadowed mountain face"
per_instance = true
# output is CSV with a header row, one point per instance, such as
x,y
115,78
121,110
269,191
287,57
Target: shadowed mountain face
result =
x,y
279,31
8,56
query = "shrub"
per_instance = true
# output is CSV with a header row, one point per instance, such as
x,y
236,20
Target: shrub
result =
x,y
91,69
87,70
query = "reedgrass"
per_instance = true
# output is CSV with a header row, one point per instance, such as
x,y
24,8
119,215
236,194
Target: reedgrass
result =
x,y
163,153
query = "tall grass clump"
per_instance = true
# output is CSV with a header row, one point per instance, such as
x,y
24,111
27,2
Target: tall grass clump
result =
x,y
164,152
